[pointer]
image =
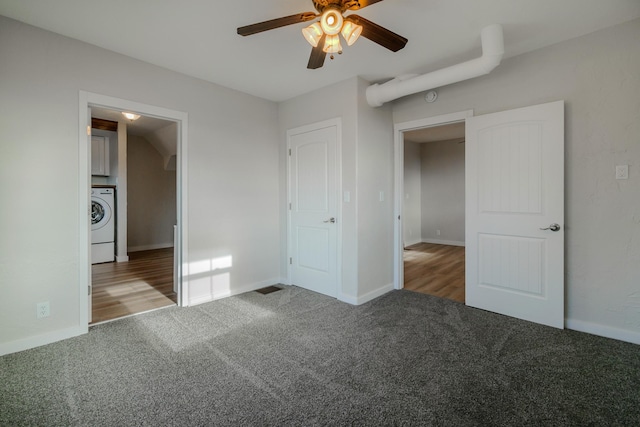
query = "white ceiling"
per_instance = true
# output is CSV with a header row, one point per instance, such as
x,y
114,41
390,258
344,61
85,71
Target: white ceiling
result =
x,y
198,37
450,132
141,127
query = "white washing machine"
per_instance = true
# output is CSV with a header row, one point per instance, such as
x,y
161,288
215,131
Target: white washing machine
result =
x,y
103,228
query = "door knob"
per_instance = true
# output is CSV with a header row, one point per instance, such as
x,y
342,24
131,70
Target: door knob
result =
x,y
552,227
331,220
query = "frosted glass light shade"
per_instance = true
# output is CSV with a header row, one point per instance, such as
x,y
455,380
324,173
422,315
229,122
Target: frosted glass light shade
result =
x,y
131,116
331,21
332,44
313,33
351,32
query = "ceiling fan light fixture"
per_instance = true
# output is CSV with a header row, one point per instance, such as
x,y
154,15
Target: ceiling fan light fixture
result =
x,y
328,26
351,32
313,33
332,44
331,21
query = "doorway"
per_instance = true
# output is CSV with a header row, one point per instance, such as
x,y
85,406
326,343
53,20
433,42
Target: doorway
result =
x,y
165,258
413,216
514,206
139,275
434,210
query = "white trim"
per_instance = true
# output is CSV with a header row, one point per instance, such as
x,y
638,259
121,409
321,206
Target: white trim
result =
x,y
443,242
87,99
398,138
182,230
84,212
366,297
40,340
237,291
121,194
150,247
412,242
337,122
603,331
130,315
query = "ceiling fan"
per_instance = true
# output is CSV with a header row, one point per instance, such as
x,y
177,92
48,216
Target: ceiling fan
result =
x,y
323,34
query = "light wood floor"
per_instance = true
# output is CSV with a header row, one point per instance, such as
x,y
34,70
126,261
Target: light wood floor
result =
x,y
143,283
435,270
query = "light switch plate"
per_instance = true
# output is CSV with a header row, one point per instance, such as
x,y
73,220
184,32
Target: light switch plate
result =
x,y
622,172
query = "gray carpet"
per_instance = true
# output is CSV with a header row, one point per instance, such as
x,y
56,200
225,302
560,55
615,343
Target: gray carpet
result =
x,y
294,357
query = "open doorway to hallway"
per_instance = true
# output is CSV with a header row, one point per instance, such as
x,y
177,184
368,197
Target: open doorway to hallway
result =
x,y
137,165
434,211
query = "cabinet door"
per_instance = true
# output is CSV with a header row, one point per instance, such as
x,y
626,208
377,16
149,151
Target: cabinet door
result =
x,y
99,155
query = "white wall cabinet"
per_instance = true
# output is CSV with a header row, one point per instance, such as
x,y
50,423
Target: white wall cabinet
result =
x,y
100,155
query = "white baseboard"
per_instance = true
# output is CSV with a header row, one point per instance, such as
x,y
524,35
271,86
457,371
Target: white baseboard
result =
x,y
149,247
40,340
122,258
443,242
411,242
603,331
232,292
366,297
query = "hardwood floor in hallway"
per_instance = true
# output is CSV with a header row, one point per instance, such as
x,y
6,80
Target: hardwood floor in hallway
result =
x,y
143,283
435,270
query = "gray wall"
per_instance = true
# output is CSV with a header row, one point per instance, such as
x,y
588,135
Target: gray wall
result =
x,y
230,133
151,197
442,197
412,198
338,100
598,77
367,163
374,165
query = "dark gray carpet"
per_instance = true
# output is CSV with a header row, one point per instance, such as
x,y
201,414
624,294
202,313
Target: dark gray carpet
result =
x,y
293,357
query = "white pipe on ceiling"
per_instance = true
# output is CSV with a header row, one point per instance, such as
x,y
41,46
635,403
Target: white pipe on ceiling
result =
x,y
492,52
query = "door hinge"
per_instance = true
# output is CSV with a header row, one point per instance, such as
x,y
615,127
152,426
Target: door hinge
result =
x,y
289,151
398,216
89,288
290,261
289,206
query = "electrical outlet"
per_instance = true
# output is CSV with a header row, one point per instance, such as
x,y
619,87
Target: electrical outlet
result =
x,y
622,172
437,232
42,310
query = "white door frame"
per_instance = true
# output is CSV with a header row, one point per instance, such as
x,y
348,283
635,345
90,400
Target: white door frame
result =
x,y
398,137
337,122
86,100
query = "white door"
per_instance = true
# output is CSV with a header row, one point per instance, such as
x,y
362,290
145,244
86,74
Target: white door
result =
x,y
515,213
313,208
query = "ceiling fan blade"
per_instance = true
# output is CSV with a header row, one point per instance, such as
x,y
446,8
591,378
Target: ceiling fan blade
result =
x,y
378,34
359,4
316,60
247,30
